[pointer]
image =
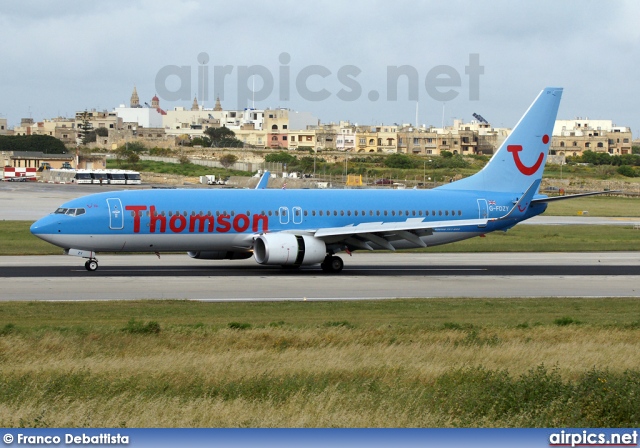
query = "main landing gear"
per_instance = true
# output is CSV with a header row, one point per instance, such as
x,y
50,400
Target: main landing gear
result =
x,y
91,264
332,264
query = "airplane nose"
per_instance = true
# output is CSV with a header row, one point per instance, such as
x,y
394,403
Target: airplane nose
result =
x,y
49,225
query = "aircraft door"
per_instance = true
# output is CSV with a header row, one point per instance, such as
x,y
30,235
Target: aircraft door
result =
x,y
284,215
483,210
116,215
297,215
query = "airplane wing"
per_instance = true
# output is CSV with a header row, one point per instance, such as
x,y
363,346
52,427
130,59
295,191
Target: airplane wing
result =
x,y
383,233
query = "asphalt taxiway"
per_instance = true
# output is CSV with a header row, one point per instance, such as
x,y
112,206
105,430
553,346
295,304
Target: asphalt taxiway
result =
x,y
366,276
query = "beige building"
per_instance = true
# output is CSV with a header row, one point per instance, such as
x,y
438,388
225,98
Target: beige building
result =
x,y
3,126
276,124
572,137
304,139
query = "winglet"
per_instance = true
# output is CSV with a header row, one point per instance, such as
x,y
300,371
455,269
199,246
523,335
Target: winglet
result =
x,y
521,207
264,180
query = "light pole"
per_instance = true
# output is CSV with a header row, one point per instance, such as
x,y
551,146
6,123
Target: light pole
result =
x,y
434,172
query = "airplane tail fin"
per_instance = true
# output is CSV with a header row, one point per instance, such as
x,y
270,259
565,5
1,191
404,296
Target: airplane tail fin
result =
x,y
520,159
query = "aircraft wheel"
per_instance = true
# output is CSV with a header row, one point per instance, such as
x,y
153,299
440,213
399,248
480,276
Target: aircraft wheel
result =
x,y
332,264
336,264
91,265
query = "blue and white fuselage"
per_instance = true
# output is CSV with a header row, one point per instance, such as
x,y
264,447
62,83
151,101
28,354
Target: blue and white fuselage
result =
x,y
302,227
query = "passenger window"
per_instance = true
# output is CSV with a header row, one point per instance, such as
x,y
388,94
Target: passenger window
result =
x,y
377,212
305,213
393,213
313,213
446,212
320,212
399,212
270,212
356,213
440,212
170,213
335,213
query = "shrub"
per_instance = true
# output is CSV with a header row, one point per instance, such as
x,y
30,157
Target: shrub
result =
x,y
139,327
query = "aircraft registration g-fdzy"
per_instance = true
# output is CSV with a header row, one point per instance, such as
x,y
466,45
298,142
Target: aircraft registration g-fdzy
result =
x,y
307,227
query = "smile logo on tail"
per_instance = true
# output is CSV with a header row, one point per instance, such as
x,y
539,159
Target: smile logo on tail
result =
x,y
527,170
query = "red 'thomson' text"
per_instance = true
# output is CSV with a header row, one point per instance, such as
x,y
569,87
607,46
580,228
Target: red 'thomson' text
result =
x,y
197,223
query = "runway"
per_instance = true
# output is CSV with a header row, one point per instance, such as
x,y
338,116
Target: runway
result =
x,y
366,276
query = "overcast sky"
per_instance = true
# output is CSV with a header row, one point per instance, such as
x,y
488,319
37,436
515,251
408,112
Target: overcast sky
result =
x,y
65,56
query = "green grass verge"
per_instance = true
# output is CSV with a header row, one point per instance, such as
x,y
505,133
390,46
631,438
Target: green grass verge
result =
x,y
596,206
401,313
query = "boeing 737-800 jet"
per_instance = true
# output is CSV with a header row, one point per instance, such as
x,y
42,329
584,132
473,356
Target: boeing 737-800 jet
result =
x,y
307,227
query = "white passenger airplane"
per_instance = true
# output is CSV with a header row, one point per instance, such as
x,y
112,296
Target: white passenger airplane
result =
x,y
307,227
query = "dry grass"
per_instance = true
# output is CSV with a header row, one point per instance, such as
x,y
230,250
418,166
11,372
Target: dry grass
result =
x,y
367,364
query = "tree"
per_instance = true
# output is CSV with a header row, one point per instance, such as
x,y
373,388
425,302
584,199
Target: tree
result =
x,y
41,143
399,161
102,132
86,129
280,157
223,138
626,171
136,147
228,159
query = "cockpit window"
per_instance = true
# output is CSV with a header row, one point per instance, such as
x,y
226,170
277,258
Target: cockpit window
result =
x,y
70,211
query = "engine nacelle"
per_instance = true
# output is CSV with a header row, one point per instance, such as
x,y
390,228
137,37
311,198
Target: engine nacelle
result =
x,y
219,255
287,249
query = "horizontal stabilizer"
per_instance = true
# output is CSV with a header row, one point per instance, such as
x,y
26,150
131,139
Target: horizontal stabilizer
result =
x,y
571,196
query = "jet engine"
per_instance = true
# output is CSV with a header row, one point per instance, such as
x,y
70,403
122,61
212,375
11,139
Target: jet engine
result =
x,y
218,255
287,249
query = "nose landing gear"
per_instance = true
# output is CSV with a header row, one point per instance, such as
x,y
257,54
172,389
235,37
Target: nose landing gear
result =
x,y
91,264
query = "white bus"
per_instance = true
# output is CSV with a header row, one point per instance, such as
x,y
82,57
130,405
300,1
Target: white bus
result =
x,y
99,177
132,177
116,178
83,177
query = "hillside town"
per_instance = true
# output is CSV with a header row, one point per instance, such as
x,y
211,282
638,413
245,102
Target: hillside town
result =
x,y
283,129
